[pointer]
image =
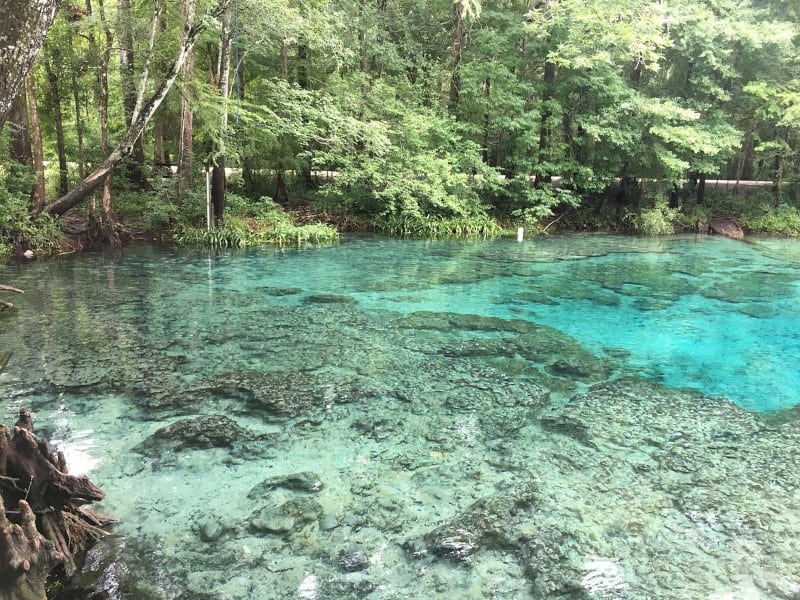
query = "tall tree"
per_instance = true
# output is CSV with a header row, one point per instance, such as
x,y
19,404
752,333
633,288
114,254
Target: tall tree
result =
x,y
222,77
462,10
106,218
146,109
53,68
125,29
38,198
20,135
22,32
186,142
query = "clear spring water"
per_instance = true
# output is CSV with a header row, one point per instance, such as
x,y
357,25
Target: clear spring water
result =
x,y
426,419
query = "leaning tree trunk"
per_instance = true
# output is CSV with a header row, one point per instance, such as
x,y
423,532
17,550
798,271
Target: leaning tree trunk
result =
x,y
22,31
124,147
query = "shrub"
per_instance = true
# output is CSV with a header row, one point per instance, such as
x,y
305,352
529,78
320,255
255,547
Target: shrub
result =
x,y
784,220
654,221
256,223
43,235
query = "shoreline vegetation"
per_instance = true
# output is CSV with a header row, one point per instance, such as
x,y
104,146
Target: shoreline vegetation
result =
x,y
267,123
308,221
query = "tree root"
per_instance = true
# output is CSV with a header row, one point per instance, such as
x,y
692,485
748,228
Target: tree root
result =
x,y
43,522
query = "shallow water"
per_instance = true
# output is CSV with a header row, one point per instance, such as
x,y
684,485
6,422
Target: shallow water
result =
x,y
581,416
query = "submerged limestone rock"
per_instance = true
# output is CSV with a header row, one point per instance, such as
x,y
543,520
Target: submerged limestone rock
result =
x,y
487,523
285,395
203,433
287,517
306,482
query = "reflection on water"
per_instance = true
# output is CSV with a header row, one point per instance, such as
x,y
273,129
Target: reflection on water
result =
x,y
383,419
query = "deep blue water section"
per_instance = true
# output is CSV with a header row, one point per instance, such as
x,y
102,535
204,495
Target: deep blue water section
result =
x,y
715,314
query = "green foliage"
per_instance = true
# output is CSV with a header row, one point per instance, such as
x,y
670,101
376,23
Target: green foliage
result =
x,y
783,220
587,92
17,229
426,226
656,220
254,224
403,163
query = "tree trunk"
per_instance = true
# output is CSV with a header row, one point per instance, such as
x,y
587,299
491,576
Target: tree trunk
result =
x,y
458,51
160,155
487,92
223,75
22,31
362,39
135,167
108,222
76,94
186,142
125,145
284,61
376,66
20,134
58,116
544,125
38,193
701,189
302,65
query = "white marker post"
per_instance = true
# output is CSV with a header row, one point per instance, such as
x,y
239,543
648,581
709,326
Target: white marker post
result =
x,y
520,234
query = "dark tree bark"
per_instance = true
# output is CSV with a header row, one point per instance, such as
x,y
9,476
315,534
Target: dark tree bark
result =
x,y
58,116
701,188
302,65
458,51
376,65
20,135
135,167
362,39
186,142
24,25
545,132
218,179
92,181
284,61
38,192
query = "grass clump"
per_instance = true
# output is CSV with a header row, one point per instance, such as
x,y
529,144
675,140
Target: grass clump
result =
x,y
433,226
255,224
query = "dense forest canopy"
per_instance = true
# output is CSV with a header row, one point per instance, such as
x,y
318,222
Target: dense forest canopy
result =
x,y
397,113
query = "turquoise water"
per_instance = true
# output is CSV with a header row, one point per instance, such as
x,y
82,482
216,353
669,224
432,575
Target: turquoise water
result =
x,y
579,416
